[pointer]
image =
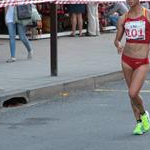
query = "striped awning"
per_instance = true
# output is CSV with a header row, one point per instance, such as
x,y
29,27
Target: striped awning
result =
x,y
84,1
4,3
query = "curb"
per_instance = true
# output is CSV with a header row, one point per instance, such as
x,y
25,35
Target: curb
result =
x,y
50,91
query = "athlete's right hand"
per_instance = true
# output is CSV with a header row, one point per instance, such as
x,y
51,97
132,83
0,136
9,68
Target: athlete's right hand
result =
x,y
120,48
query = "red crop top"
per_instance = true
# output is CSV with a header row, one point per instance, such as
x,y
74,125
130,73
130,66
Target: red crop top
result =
x,y
137,30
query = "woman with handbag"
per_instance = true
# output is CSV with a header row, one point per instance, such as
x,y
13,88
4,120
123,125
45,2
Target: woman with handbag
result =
x,y
13,24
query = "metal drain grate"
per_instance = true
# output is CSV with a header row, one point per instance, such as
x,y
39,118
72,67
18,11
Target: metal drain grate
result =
x,y
15,101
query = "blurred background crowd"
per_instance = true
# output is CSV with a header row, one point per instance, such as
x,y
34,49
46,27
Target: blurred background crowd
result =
x,y
92,17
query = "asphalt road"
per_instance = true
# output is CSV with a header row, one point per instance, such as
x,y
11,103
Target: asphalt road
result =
x,y
99,119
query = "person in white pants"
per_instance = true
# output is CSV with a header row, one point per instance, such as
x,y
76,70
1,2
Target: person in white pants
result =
x,y
93,19
145,4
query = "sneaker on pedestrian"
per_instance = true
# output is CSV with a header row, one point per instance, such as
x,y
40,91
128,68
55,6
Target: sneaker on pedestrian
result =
x,y
10,60
30,55
138,130
146,121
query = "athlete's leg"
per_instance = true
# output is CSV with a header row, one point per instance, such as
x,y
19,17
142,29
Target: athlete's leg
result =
x,y
137,81
128,73
138,78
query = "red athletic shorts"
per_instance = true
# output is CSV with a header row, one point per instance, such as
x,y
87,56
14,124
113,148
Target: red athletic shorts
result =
x,y
134,63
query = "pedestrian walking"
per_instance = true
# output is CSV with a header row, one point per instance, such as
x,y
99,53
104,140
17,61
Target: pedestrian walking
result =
x,y
135,63
12,25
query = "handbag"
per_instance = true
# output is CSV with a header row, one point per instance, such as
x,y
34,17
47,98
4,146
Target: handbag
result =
x,y
24,11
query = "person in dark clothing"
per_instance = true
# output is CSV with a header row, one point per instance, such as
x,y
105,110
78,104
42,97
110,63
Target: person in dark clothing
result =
x,y
76,11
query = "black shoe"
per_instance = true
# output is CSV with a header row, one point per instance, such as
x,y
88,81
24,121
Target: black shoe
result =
x,y
88,34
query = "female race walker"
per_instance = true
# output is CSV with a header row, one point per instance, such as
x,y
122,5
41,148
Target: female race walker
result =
x,y
135,63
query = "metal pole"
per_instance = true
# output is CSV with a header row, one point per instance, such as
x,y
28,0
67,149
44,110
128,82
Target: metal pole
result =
x,y
53,39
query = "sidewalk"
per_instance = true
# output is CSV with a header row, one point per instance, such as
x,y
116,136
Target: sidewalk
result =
x,y
79,58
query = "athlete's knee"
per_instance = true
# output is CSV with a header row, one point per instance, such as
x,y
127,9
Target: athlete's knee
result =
x,y
133,94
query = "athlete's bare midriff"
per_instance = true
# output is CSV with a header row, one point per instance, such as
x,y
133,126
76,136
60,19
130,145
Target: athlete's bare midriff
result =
x,y
136,50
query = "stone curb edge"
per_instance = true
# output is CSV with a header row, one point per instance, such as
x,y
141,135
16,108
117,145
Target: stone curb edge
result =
x,y
50,91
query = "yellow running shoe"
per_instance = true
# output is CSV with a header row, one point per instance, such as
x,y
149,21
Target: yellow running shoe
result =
x,y
138,129
146,121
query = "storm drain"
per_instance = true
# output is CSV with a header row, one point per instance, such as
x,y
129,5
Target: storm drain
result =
x,y
15,101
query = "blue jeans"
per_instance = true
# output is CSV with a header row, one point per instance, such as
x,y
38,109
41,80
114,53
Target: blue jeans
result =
x,y
12,35
113,20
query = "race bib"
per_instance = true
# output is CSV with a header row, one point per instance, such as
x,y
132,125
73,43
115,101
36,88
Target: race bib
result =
x,y
135,30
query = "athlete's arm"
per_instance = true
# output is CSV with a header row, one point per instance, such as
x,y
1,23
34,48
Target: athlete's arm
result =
x,y
148,15
119,34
